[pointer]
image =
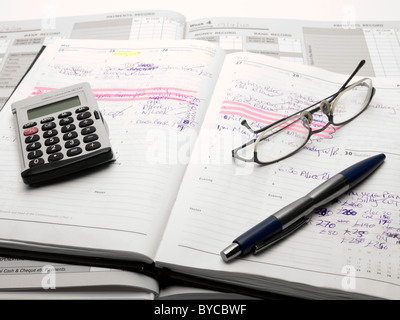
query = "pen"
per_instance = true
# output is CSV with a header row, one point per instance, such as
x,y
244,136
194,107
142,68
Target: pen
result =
x,y
293,216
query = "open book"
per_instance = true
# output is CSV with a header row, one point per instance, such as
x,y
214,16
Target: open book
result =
x,y
174,198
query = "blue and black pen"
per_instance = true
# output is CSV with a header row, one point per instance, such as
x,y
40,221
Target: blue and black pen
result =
x,y
293,216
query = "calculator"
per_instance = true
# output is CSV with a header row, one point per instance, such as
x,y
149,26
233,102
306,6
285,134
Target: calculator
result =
x,y
59,133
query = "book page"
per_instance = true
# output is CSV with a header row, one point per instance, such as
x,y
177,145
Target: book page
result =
x,y
355,237
153,97
54,280
331,45
21,40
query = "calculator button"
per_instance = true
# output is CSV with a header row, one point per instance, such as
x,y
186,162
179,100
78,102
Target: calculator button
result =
x,y
74,152
81,109
72,143
53,149
84,115
96,115
68,128
50,133
48,119
30,131
93,146
29,125
32,138
51,141
55,157
90,138
36,162
70,135
64,114
48,126
85,123
33,146
88,130
35,154
65,121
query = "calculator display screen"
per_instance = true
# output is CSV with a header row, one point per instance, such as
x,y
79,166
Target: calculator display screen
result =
x,y
53,107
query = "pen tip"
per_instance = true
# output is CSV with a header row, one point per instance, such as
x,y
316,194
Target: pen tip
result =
x,y
231,252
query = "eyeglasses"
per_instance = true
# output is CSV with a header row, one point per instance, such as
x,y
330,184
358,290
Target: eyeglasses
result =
x,y
287,136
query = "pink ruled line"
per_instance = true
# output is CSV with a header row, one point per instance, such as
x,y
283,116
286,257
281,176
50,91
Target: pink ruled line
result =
x,y
125,90
146,89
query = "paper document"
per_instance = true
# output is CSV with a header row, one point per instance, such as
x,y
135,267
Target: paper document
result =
x,y
353,238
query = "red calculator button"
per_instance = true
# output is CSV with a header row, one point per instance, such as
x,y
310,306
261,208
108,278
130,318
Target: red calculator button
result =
x,y
30,131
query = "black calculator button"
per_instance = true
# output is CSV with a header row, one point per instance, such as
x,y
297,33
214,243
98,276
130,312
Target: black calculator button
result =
x,y
70,135
36,162
29,125
64,114
74,152
93,146
81,109
33,146
55,157
50,133
72,143
35,154
84,115
32,138
48,126
51,141
53,149
65,121
30,131
90,138
96,115
48,119
68,128
88,130
85,123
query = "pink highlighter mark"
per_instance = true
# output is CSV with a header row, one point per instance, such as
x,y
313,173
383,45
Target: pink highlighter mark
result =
x,y
123,94
268,117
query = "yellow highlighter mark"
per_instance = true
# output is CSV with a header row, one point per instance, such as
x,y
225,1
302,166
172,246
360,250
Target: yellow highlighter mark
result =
x,y
127,53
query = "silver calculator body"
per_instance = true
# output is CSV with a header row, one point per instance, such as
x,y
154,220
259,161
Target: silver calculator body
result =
x,y
59,133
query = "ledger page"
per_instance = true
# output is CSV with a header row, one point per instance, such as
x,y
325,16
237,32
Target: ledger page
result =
x,y
220,198
331,45
153,97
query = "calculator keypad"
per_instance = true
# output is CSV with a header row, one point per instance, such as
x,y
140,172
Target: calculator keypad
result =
x,y
65,136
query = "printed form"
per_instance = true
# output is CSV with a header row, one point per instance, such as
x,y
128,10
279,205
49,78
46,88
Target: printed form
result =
x,y
334,46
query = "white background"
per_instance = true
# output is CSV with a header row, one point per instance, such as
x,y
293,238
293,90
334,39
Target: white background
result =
x,y
192,9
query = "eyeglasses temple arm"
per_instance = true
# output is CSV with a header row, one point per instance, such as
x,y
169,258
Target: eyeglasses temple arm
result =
x,y
360,65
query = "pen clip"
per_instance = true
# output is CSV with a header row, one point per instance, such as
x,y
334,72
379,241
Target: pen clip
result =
x,y
279,236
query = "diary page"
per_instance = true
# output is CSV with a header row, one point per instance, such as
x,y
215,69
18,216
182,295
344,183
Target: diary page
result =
x,y
355,236
153,97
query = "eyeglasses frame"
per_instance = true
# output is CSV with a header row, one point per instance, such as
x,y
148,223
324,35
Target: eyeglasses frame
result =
x,y
325,105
